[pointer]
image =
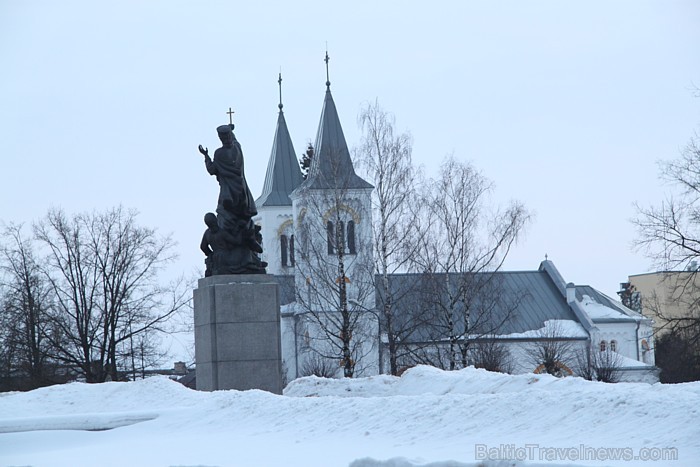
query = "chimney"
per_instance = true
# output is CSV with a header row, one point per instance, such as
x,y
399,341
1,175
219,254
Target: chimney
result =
x,y
180,368
570,292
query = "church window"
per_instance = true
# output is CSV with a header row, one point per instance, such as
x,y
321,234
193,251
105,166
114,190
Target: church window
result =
x,y
603,345
330,230
284,249
291,250
351,238
613,346
341,236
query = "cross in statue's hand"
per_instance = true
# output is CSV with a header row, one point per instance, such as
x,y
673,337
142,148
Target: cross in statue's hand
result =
x,y
230,115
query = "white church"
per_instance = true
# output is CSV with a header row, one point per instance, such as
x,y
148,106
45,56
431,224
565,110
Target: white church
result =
x,y
313,227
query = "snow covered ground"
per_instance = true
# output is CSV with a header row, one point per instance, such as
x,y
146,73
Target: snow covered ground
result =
x,y
427,417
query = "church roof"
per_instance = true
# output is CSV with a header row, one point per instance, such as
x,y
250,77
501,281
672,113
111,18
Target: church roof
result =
x,y
331,166
283,172
521,301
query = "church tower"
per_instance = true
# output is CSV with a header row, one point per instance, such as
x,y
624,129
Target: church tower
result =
x,y
274,205
332,219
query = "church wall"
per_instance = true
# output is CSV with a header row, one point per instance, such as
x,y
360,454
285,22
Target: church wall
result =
x,y
304,341
643,375
629,339
275,221
316,275
520,362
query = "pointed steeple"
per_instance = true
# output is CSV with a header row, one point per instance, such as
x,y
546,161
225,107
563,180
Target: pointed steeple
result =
x,y
332,166
283,172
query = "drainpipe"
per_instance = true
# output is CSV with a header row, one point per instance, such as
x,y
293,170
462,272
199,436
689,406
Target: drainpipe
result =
x,y
636,333
296,347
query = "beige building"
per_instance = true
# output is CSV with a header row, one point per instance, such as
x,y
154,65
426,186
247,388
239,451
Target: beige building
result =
x,y
666,295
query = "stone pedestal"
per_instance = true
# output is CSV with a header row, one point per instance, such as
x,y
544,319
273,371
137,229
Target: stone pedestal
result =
x,y
237,333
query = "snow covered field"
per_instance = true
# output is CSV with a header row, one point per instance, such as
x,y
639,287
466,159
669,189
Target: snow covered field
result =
x,y
426,417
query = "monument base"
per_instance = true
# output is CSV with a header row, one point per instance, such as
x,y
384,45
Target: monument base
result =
x,y
237,333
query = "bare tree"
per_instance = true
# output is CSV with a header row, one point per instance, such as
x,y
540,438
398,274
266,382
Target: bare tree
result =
x,y
386,159
670,235
316,365
103,271
491,355
337,292
464,244
595,364
551,352
25,326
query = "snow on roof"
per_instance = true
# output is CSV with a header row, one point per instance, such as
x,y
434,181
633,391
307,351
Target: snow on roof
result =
x,y
598,311
627,362
552,328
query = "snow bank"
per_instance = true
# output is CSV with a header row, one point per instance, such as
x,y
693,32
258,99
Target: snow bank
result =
x,y
427,416
426,380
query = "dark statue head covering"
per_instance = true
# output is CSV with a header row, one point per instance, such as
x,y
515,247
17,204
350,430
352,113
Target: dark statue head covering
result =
x,y
228,128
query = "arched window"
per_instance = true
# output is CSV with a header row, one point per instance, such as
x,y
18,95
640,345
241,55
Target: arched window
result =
x,y
613,346
602,346
291,250
330,230
341,236
351,238
283,249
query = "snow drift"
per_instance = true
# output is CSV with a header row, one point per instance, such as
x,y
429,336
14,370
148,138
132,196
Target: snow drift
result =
x,y
427,416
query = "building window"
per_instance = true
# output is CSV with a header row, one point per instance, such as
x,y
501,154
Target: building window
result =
x,y
291,250
613,346
330,231
602,346
284,249
351,238
341,237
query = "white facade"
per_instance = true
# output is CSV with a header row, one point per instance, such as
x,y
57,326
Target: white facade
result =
x,y
277,226
315,212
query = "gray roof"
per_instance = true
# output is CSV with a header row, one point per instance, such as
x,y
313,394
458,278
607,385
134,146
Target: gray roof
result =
x,y
331,166
515,301
283,172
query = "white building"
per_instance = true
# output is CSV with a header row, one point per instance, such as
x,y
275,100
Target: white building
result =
x,y
318,230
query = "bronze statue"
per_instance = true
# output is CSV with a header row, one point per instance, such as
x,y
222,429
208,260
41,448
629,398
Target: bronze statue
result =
x,y
235,242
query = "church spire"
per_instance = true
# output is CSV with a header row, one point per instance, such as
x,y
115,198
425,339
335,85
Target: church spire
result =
x,y
331,166
283,172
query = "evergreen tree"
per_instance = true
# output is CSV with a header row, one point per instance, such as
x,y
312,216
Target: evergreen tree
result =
x,y
305,161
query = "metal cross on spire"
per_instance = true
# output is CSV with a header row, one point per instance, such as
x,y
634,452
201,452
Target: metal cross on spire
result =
x,y
230,115
279,81
328,81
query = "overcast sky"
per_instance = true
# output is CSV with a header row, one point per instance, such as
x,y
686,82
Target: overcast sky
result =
x,y
566,106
